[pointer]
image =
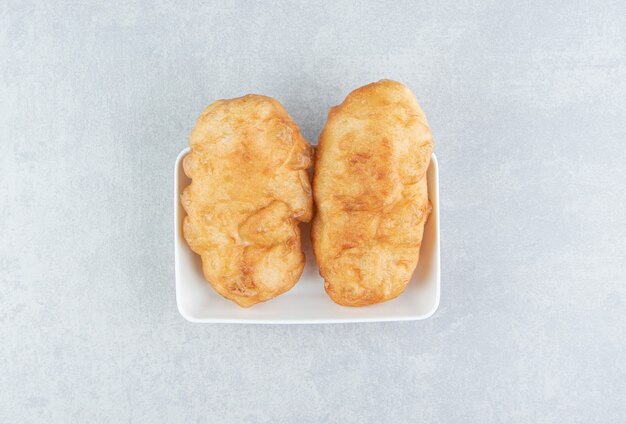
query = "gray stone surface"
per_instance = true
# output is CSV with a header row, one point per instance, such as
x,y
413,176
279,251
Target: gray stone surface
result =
x,y
528,106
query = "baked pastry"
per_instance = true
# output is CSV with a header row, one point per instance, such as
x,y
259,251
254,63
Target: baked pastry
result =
x,y
250,189
370,194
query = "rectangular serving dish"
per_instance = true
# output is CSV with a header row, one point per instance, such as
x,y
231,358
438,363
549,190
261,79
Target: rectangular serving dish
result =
x,y
306,302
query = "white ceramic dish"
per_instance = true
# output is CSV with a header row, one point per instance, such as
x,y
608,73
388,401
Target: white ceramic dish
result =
x,y
306,302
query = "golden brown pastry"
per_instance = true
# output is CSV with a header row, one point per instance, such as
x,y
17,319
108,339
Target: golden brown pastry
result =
x,y
370,194
250,189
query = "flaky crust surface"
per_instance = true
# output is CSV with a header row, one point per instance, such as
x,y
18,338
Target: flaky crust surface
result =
x,y
370,194
250,189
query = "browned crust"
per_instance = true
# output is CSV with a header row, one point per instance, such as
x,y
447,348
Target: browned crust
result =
x,y
371,194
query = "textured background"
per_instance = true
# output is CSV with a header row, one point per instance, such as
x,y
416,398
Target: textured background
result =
x,y
527,103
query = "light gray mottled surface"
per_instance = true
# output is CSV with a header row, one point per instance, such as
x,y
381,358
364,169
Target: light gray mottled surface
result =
x,y
528,106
